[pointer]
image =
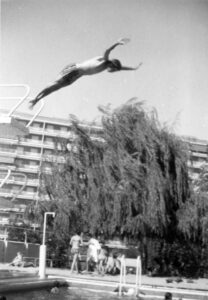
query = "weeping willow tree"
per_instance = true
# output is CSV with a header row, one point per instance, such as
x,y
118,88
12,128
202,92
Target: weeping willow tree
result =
x,y
129,181
144,177
193,223
193,215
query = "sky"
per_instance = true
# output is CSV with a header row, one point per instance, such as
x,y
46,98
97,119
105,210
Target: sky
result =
x,y
40,37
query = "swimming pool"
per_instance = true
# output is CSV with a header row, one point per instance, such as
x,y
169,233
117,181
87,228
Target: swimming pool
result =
x,y
64,294
81,288
4,274
84,293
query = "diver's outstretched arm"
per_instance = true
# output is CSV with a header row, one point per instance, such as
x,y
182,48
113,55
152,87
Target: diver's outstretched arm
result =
x,y
120,42
123,68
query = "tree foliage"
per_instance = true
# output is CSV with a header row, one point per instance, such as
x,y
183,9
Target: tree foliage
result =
x,y
193,216
23,233
130,181
149,163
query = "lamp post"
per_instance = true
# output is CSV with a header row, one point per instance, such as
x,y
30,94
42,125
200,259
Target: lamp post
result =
x,y
42,254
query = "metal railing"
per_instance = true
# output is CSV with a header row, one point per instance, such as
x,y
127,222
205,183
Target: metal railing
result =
x,y
10,114
22,99
5,178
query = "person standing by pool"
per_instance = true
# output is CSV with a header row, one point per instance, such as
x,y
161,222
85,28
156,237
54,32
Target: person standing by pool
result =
x,y
93,251
102,260
75,243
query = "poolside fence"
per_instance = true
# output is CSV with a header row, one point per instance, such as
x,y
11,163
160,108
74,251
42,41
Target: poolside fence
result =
x,y
9,249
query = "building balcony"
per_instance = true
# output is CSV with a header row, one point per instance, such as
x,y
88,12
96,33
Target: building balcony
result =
x,y
53,158
20,181
6,141
11,210
29,155
4,221
196,164
32,182
198,147
32,169
26,155
37,144
36,130
52,132
8,193
26,195
8,152
28,169
199,154
4,168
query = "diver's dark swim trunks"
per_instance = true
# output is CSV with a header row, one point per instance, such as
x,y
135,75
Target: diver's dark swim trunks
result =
x,y
69,74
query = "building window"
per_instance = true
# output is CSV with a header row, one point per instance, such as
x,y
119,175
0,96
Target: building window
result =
x,y
48,152
37,125
30,189
33,163
64,129
49,127
49,139
35,137
20,149
34,150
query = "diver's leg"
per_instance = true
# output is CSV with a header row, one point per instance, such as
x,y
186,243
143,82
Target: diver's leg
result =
x,y
45,92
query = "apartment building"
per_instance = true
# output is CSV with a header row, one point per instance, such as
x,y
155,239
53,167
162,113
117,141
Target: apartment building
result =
x,y
198,155
21,157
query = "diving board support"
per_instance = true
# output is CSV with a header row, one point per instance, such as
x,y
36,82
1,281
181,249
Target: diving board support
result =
x,y
5,178
22,99
37,113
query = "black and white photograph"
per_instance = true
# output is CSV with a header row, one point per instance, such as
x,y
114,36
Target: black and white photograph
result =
x,y
103,149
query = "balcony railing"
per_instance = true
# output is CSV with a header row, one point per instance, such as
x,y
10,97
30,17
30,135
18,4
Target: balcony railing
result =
x,y
196,164
8,151
198,154
37,143
8,141
8,193
28,169
29,155
20,180
52,132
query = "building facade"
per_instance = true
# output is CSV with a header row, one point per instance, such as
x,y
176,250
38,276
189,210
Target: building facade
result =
x,y
198,155
21,158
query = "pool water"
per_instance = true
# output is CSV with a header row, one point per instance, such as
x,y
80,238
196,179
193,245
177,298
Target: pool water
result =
x,y
64,294
12,274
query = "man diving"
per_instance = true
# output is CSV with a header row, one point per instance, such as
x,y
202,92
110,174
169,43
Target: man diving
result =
x,y
92,66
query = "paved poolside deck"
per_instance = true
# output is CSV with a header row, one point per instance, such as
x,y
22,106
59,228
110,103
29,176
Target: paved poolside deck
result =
x,y
197,284
23,279
200,284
